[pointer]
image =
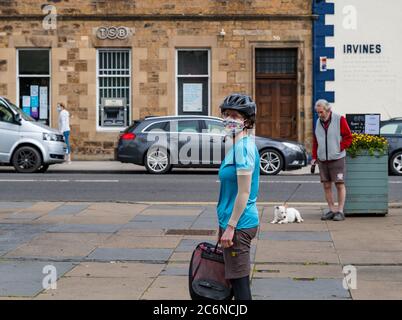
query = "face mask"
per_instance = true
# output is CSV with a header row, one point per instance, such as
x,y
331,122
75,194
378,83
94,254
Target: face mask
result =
x,y
58,109
233,126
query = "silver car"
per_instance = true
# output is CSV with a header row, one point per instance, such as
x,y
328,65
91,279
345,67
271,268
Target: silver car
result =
x,y
28,145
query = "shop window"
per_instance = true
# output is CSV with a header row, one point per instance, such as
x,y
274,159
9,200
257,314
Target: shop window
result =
x,y
34,83
114,87
193,81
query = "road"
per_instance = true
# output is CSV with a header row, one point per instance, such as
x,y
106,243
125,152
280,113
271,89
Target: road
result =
x,y
179,186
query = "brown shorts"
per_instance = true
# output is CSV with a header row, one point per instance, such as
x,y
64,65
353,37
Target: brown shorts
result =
x,y
237,257
332,171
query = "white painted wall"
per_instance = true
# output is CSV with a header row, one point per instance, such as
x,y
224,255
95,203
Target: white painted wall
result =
x,y
367,83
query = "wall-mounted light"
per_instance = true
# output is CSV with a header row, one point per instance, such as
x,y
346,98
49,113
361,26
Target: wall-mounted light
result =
x,y
222,34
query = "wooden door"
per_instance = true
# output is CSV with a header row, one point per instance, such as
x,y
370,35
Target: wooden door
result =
x,y
276,93
276,108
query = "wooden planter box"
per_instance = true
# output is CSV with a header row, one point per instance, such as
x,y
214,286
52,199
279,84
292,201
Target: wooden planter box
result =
x,y
366,185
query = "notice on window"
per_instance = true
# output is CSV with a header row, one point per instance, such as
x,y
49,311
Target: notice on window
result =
x,y
192,97
26,101
372,124
35,99
34,91
26,105
43,107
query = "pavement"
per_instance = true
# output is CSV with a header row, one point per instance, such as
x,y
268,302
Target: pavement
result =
x,y
141,251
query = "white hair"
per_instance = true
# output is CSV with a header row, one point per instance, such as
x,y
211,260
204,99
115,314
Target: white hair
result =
x,y
323,103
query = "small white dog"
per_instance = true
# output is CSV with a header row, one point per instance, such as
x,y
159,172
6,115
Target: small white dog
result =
x,y
283,214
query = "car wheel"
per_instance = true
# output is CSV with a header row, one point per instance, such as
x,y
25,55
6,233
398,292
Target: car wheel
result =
x,y
157,161
26,160
43,168
271,162
396,163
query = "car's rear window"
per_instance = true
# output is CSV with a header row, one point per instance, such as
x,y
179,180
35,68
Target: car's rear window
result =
x,y
390,128
158,126
134,125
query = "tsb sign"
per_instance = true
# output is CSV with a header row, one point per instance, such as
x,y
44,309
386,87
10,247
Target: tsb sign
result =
x,y
112,33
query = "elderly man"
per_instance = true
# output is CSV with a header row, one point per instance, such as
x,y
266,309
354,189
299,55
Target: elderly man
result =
x,y
331,139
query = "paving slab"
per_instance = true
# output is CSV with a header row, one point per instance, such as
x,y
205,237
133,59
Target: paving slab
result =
x,y
175,269
377,290
205,223
42,207
158,210
317,227
202,238
14,235
24,227
161,222
296,252
370,257
127,254
168,288
25,278
110,218
116,270
370,234
68,209
188,245
163,218
182,257
369,245
23,217
76,288
115,208
14,206
289,289
379,273
295,235
281,247
4,215
59,245
144,242
141,232
85,228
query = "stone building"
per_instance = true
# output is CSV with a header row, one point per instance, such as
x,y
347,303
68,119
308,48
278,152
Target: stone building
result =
x,y
115,61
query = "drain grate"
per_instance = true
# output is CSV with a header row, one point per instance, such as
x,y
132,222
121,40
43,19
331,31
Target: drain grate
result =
x,y
268,271
304,279
190,232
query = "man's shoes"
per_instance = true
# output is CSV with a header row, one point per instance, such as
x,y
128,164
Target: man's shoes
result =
x,y
339,216
328,216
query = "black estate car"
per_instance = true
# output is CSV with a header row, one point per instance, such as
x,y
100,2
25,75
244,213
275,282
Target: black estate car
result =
x,y
160,143
392,130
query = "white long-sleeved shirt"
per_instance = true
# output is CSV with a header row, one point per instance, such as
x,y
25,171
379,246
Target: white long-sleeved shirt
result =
x,y
64,121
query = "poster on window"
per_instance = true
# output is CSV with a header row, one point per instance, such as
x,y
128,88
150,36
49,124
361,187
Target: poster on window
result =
x,y
26,104
34,91
43,107
192,97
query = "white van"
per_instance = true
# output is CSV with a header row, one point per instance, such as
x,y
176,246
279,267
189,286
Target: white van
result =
x,y
27,145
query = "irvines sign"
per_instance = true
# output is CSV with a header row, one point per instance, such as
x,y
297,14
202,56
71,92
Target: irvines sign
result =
x,y
112,33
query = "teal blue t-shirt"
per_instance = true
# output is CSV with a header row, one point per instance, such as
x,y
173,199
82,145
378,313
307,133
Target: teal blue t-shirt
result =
x,y
247,158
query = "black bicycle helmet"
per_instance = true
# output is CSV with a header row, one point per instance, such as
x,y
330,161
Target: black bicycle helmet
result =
x,y
239,102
